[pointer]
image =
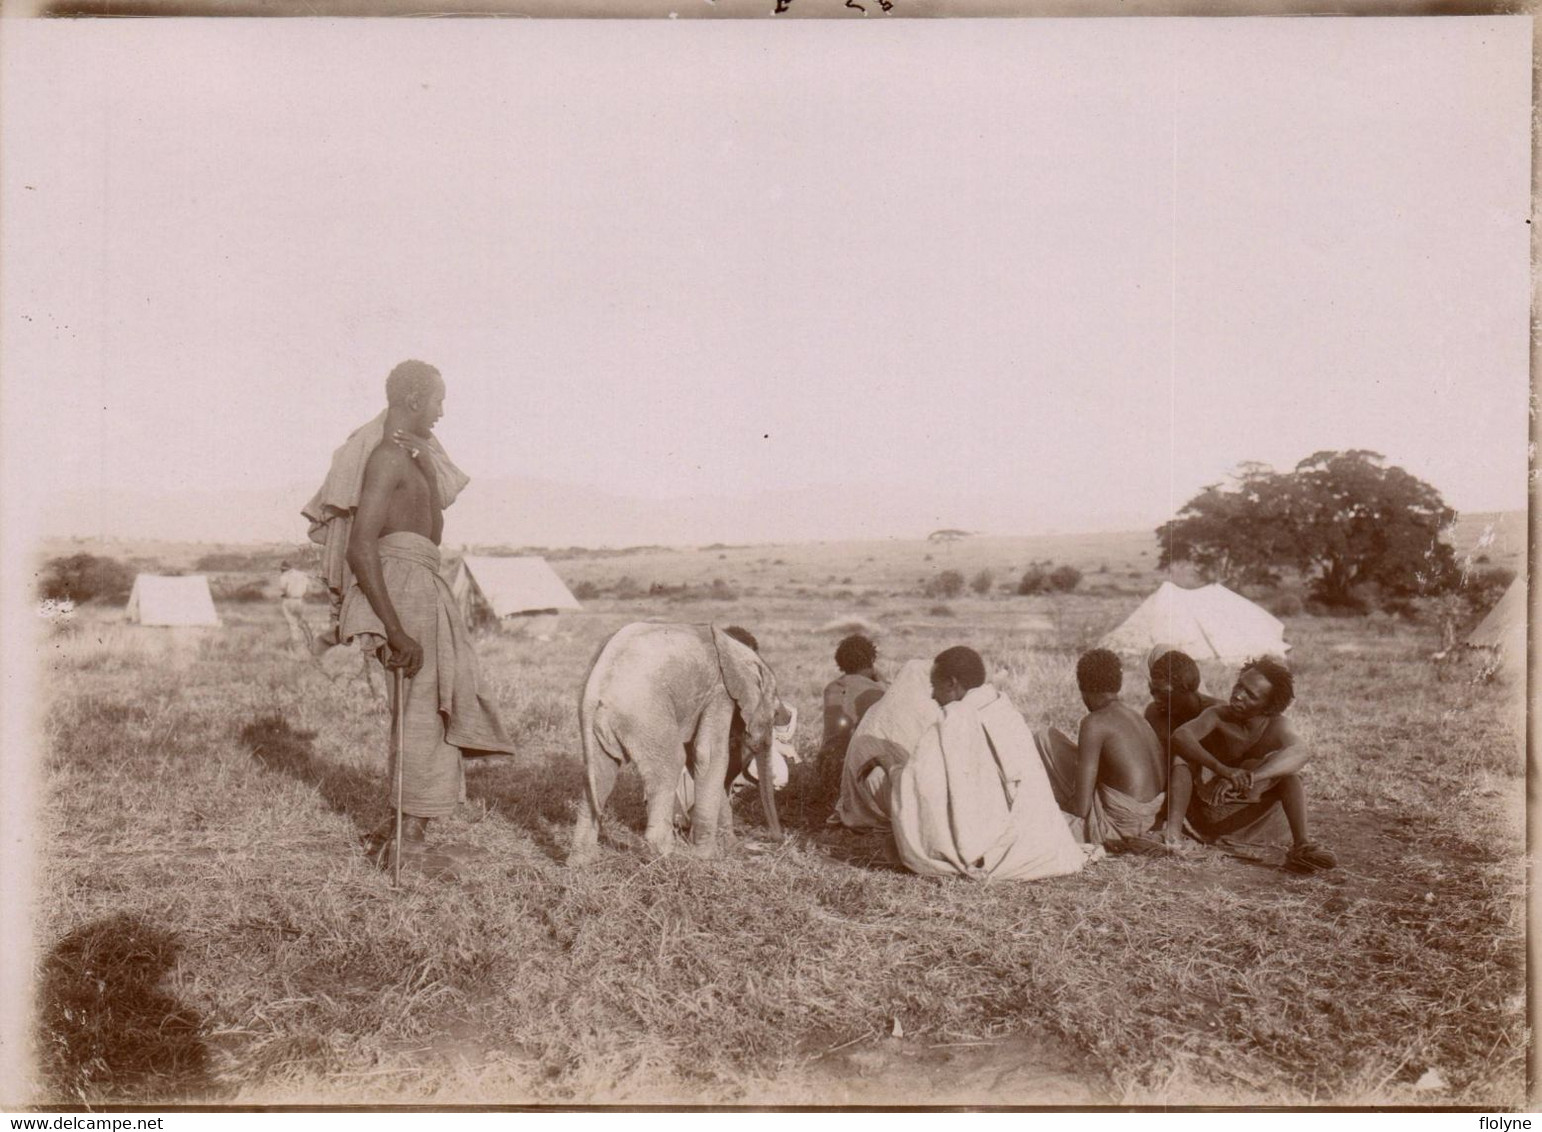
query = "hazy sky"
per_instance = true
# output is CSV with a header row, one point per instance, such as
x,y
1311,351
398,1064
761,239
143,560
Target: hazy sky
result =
x,y
1081,268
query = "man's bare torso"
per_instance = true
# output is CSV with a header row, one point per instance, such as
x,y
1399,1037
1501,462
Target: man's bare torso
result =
x,y
1239,743
413,505
1132,760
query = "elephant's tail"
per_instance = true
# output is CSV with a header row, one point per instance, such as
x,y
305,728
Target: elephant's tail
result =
x,y
588,719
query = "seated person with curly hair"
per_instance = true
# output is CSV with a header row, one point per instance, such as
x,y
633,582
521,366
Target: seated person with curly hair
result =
x,y
1110,782
1176,697
1254,760
850,694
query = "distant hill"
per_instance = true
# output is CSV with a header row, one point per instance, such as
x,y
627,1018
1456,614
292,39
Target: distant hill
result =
x,y
528,512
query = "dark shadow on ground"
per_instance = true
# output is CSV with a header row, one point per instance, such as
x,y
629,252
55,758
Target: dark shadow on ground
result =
x,y
106,1032
349,791
869,850
540,797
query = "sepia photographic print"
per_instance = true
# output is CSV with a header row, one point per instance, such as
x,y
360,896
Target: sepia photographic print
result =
x,y
771,553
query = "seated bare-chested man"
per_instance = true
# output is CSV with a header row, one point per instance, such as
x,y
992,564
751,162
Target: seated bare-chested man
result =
x,y
1111,782
1174,683
1253,758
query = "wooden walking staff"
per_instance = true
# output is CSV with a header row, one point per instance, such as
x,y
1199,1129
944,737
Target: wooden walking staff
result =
x,y
399,742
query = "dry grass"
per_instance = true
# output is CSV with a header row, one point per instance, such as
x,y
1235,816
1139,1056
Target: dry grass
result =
x,y
210,931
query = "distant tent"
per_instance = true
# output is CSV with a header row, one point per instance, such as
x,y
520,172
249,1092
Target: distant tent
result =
x,y
1504,629
1210,623
155,600
520,595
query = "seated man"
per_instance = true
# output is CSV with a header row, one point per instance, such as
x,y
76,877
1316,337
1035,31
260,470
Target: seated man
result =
x,y
974,800
1110,783
882,743
850,694
1254,760
1175,695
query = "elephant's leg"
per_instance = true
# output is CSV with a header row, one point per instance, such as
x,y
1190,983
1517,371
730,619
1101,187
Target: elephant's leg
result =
x,y
711,765
661,774
725,820
601,773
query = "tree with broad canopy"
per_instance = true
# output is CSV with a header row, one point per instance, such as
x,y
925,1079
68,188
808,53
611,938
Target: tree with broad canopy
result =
x,y
1342,519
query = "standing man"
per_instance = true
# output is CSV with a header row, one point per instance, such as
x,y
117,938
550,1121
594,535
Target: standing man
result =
x,y
1254,760
293,585
397,604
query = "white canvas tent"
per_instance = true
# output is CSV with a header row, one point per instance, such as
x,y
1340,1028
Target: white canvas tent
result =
x,y
157,600
1504,629
1210,623
521,595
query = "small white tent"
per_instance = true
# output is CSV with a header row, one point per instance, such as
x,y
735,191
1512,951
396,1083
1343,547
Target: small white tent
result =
x,y
1210,623
1504,629
157,600
522,595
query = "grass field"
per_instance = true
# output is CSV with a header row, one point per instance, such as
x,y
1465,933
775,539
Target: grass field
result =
x,y
208,930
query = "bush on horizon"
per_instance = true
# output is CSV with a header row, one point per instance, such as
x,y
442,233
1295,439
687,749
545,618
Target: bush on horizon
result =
x,y
85,577
949,583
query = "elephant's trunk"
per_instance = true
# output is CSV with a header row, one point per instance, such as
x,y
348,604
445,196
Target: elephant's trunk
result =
x,y
767,775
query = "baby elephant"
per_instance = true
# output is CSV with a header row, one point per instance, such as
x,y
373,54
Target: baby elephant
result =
x,y
664,696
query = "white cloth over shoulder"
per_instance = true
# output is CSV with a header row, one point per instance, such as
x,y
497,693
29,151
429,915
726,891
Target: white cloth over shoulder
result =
x,y
330,510
882,743
974,800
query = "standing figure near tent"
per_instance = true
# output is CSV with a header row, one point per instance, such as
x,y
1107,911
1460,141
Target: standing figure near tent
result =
x,y
388,486
1110,782
1254,759
293,585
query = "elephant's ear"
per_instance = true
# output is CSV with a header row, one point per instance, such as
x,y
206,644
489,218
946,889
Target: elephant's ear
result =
x,y
748,680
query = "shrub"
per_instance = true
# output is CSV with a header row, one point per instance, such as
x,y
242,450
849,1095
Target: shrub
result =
x,y
949,583
981,583
1033,581
246,593
626,588
940,611
85,577
722,591
1064,579
1286,603
1483,588
586,590
226,563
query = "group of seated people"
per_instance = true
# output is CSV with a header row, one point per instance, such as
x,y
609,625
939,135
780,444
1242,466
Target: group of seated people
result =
x,y
944,762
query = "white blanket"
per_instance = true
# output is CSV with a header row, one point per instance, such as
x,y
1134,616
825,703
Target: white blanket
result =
x,y
974,800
